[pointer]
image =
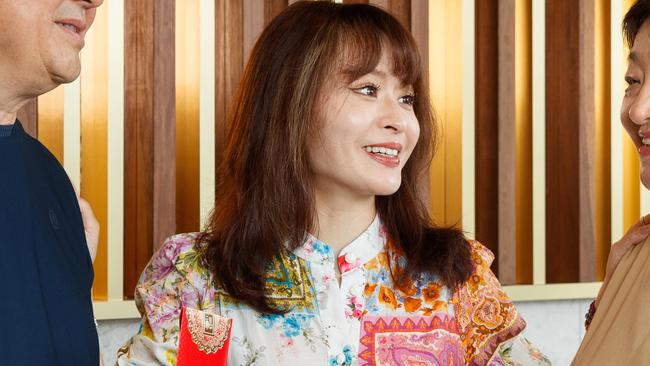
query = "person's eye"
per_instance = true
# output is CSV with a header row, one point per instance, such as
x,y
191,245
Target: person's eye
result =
x,y
407,99
631,81
369,90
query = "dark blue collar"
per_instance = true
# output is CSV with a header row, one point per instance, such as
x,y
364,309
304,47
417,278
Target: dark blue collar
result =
x,y
9,130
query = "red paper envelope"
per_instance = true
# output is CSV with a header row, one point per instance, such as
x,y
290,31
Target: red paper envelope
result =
x,y
204,339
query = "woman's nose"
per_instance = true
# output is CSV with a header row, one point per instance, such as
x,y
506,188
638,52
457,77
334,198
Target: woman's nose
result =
x,y
639,111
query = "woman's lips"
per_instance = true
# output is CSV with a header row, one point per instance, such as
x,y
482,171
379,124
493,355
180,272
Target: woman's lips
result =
x,y
644,150
389,161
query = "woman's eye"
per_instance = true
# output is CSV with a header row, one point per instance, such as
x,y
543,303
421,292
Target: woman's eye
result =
x,y
407,99
631,81
368,90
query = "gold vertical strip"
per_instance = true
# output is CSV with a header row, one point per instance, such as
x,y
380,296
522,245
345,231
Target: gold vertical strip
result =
x,y
468,189
445,69
72,131
523,138
616,137
207,96
539,140
115,150
94,81
50,122
187,115
602,170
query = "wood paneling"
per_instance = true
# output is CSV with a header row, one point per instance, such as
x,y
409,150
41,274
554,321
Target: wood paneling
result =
x,y
562,85
487,127
507,149
504,136
149,150
586,139
229,63
188,51
28,117
272,8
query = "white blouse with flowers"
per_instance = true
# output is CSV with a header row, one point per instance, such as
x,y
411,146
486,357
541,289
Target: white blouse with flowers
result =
x,y
365,320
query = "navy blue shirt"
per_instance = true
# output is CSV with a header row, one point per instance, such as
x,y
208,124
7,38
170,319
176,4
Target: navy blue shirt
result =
x,y
46,314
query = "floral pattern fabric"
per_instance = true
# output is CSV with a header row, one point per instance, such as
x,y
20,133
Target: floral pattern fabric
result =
x,y
364,320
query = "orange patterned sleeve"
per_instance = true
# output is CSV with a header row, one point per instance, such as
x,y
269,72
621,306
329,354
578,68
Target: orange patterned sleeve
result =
x,y
486,315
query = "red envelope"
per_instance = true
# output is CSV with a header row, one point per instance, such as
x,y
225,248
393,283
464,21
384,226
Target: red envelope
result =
x,y
204,339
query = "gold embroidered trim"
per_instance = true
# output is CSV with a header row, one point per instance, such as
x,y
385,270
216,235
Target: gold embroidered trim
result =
x,y
209,331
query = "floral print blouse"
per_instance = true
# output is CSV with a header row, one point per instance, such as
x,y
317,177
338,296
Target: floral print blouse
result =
x,y
365,320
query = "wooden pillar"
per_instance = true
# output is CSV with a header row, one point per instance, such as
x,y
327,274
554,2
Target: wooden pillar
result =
x,y
149,133
570,236
487,126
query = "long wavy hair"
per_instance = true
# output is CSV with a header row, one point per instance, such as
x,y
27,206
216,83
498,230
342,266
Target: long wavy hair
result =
x,y
265,201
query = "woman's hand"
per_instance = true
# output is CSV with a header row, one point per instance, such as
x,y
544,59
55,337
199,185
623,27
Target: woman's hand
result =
x,y
91,227
635,235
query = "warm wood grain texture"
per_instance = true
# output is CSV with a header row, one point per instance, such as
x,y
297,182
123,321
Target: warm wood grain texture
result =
x,y
487,126
272,8
586,141
507,152
149,151
563,150
229,63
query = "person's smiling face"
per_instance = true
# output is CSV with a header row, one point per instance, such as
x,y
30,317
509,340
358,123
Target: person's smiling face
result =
x,y
41,39
635,109
367,132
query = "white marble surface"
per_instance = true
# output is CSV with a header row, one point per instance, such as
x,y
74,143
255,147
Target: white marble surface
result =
x,y
556,327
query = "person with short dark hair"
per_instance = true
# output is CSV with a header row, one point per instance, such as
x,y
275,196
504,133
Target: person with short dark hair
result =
x,y
48,241
617,321
320,248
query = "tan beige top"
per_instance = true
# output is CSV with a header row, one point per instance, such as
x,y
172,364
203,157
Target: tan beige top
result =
x,y
620,331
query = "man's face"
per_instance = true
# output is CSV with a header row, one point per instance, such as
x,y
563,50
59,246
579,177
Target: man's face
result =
x,y
40,41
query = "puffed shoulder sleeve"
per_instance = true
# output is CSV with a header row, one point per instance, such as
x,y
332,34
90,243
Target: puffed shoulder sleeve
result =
x,y
490,324
167,284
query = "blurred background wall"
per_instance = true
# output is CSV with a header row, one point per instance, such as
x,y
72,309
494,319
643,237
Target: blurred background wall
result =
x,y
533,161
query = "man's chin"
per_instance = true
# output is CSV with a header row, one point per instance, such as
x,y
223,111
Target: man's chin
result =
x,y
67,75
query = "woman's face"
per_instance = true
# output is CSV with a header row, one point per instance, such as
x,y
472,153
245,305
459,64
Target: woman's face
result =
x,y
635,111
367,134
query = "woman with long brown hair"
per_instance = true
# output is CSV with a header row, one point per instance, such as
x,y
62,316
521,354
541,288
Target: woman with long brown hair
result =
x,y
319,247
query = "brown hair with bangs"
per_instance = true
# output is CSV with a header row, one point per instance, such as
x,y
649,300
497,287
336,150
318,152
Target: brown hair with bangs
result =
x,y
264,197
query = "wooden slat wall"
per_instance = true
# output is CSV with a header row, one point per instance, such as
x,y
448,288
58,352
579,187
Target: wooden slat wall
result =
x,y
569,117
487,126
149,120
229,63
507,148
586,141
